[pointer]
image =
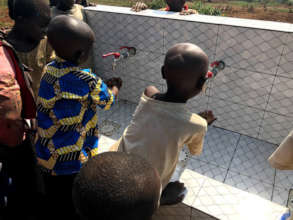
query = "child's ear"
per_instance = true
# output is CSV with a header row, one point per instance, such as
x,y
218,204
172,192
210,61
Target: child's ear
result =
x,y
163,72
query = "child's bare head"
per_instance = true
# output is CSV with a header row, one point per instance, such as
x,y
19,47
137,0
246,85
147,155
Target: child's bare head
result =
x,y
117,186
175,5
185,69
31,18
65,5
71,38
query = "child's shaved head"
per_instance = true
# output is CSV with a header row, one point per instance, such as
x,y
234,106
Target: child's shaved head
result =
x,y
31,20
71,38
19,9
117,186
65,4
184,69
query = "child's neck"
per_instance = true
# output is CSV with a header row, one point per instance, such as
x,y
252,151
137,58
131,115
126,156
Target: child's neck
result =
x,y
170,96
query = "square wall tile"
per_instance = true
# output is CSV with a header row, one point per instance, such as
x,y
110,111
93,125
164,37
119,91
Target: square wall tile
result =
x,y
235,117
243,87
141,32
280,196
133,88
286,63
193,182
275,127
145,66
281,98
251,157
249,184
219,200
250,49
219,147
198,103
284,179
203,35
229,203
207,169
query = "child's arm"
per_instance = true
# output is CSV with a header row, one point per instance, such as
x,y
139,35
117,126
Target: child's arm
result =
x,y
103,96
209,116
114,84
150,91
195,143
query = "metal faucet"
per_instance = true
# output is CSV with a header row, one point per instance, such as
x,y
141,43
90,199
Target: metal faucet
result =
x,y
124,53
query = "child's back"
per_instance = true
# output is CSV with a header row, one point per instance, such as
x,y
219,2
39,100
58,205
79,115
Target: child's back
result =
x,y
161,124
67,110
158,132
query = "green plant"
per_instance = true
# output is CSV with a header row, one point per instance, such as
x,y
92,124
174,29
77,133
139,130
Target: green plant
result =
x,y
157,4
205,9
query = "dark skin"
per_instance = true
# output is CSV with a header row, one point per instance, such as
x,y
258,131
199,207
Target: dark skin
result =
x,y
65,5
184,70
27,33
79,39
175,5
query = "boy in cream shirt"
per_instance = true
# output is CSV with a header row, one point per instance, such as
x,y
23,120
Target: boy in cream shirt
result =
x,y
162,125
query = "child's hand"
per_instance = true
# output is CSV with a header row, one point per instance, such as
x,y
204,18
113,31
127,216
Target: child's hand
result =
x,y
115,81
139,6
173,193
209,116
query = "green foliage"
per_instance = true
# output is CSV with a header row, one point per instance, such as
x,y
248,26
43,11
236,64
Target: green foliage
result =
x,y
205,9
157,4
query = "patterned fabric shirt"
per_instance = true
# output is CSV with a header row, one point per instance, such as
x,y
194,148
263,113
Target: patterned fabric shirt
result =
x,y
67,116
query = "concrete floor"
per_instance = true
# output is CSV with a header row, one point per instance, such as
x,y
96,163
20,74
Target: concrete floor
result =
x,y
231,179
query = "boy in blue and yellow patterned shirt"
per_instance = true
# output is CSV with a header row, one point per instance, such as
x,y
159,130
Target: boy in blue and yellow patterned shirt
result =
x,y
66,111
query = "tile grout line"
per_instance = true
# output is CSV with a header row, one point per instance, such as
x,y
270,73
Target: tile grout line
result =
x,y
270,93
237,144
275,174
215,54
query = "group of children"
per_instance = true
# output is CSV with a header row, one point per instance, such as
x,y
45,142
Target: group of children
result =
x,y
59,169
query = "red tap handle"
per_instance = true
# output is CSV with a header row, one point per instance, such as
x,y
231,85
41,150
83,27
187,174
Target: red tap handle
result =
x,y
215,63
209,74
115,54
167,8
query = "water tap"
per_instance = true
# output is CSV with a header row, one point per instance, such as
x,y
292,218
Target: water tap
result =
x,y
124,53
217,66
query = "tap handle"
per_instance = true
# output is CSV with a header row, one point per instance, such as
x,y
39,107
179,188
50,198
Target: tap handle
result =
x,y
125,47
115,54
131,50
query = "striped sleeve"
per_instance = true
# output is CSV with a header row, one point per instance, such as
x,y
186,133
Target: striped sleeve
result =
x,y
102,95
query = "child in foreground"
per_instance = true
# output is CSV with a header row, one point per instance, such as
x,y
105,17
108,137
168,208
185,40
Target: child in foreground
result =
x,y
66,111
20,181
116,186
162,125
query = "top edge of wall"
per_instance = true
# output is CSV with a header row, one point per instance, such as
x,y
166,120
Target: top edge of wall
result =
x,y
238,22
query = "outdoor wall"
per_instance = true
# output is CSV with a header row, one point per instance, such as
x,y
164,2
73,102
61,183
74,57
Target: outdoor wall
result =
x,y
252,96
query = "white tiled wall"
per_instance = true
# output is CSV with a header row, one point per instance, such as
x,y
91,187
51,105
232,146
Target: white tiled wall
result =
x,y
252,96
